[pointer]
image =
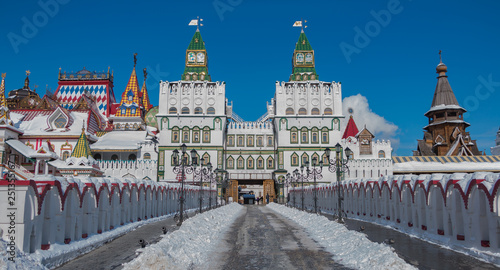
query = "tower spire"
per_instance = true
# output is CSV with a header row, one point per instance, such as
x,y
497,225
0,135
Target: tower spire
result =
x,y
303,63
196,58
145,97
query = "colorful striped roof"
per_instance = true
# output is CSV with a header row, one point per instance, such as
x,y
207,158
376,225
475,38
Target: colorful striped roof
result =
x,y
82,148
2,92
4,110
145,97
130,107
447,159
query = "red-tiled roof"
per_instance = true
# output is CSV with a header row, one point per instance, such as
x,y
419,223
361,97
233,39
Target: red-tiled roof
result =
x,y
351,129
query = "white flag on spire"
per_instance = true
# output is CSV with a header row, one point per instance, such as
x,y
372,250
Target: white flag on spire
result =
x,y
297,24
193,22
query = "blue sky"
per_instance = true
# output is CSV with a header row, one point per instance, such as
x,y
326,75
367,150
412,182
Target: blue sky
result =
x,y
250,45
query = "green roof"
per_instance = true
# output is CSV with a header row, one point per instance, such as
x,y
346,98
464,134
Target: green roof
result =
x,y
82,148
196,42
303,44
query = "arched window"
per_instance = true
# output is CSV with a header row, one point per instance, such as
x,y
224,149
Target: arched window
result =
x,y
60,122
196,135
294,136
210,110
172,110
328,111
206,135
241,163
260,163
324,135
96,157
185,110
304,133
132,157
206,159
65,155
198,110
314,136
381,154
146,156
289,111
302,111
175,135
315,111
230,163
124,111
294,159
185,135
114,157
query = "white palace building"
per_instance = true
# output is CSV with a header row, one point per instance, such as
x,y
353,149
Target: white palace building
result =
x,y
301,121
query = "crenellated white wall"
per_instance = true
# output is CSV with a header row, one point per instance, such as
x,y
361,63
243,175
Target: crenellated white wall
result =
x,y
138,169
459,210
59,210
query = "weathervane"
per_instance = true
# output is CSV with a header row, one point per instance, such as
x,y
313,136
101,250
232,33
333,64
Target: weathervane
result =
x,y
440,59
301,23
196,22
145,73
135,59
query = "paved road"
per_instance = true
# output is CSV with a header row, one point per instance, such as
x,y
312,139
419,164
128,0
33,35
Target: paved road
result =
x,y
261,239
423,255
113,254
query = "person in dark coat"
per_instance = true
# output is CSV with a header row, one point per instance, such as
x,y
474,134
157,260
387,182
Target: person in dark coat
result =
x,y
267,198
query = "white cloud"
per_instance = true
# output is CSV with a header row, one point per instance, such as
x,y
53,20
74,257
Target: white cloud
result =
x,y
363,115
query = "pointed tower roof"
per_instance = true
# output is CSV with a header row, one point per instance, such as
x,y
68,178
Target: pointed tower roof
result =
x,y
303,62
130,103
2,92
443,95
144,91
4,110
82,148
196,60
351,129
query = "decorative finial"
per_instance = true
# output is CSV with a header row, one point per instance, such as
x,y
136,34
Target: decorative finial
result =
x,y
145,73
3,75
440,59
27,73
135,59
83,127
196,22
301,24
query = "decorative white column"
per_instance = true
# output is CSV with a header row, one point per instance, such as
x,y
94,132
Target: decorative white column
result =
x,y
37,166
46,169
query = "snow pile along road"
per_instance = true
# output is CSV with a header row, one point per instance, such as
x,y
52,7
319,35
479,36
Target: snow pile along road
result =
x,y
349,248
18,260
190,244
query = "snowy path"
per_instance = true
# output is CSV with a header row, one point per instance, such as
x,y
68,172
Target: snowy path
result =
x,y
263,239
350,248
189,246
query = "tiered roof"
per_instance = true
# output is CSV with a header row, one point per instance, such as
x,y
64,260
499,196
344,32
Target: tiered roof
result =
x,y
131,102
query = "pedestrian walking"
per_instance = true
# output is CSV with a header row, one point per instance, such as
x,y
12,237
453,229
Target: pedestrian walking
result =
x,y
267,198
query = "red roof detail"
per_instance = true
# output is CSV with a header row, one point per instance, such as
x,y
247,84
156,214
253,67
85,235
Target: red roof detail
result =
x,y
351,129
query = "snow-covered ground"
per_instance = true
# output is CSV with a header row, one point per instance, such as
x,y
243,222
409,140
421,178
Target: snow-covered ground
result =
x,y
190,244
350,248
61,253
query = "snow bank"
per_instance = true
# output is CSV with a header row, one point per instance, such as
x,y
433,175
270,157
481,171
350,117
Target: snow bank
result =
x,y
349,248
190,244
21,261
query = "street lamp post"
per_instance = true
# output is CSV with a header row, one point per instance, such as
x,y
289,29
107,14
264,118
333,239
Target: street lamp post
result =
x,y
182,166
338,165
315,173
221,182
287,182
201,173
302,177
296,177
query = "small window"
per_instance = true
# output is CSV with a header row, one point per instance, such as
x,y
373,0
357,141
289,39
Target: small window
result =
x,y
324,137
315,111
240,141
196,136
270,163
146,156
66,155
260,141
206,135
302,111
206,159
198,110
305,159
230,163
60,122
314,137
114,157
289,111
132,111
210,110
172,110
381,154
185,110
270,140
328,111
124,111
250,141
230,140
293,137
260,163
295,160
175,136
132,157
185,135
250,163
241,162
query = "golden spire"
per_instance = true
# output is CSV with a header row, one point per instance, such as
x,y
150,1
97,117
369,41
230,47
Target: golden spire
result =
x,y
2,91
27,80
